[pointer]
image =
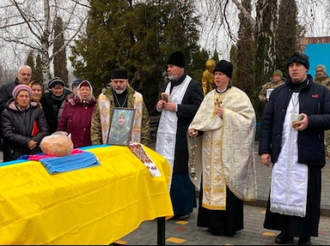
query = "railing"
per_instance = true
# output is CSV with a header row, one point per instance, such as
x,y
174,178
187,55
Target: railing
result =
x,y
153,126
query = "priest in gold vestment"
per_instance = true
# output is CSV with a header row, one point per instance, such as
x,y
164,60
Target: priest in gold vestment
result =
x,y
226,122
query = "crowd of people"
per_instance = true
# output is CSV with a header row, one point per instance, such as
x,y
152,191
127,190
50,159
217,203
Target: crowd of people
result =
x,y
206,132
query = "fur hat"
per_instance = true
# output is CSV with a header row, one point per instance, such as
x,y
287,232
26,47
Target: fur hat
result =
x,y
76,82
225,67
119,74
300,58
320,67
177,59
21,87
55,81
278,73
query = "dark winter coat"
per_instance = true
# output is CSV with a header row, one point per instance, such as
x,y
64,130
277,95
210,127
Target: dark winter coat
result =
x,y
76,120
17,130
314,101
51,105
6,93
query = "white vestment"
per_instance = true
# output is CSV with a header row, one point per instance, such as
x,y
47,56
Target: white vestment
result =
x,y
288,193
166,134
227,147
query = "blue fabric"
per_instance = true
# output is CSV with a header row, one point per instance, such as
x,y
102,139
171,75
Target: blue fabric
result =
x,y
7,163
68,163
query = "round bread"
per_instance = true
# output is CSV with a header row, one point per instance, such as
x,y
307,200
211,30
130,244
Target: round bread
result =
x,y
56,145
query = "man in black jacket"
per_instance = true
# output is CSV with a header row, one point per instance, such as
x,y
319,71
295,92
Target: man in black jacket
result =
x,y
23,76
292,138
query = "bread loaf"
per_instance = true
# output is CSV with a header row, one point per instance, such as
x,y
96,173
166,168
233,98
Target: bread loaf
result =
x,y
57,144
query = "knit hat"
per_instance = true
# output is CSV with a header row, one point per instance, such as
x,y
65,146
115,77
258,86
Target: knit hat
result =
x,y
278,73
300,58
225,67
119,74
320,67
21,87
55,81
177,59
76,82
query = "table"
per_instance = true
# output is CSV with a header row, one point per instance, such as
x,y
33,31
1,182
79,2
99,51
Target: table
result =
x,y
95,205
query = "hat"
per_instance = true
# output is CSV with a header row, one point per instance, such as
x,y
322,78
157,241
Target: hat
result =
x,y
320,67
225,67
177,59
119,74
21,87
55,81
300,58
76,82
278,73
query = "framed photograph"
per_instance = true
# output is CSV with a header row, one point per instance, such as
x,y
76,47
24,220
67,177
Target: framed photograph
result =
x,y
121,126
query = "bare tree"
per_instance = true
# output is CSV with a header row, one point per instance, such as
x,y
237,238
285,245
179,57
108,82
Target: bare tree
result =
x,y
29,24
220,21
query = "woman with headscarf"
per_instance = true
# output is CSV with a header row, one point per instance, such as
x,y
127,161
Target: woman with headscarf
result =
x,y
52,100
23,125
77,115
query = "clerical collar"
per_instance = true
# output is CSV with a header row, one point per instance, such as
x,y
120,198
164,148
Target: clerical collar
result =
x,y
223,91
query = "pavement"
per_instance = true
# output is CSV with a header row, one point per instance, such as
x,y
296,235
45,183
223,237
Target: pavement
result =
x,y
187,232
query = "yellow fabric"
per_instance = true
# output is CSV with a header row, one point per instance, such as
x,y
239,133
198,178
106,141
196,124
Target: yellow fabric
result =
x,y
96,205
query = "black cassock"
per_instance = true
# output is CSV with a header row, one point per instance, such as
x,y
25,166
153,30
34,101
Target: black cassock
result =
x,y
222,222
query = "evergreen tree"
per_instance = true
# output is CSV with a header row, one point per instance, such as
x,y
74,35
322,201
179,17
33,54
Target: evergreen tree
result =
x,y
244,62
138,38
287,33
59,51
106,43
265,51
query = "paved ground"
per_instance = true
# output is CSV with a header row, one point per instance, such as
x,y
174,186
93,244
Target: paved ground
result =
x,y
187,232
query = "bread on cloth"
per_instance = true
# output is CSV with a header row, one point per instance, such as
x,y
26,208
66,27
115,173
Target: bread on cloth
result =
x,y
57,144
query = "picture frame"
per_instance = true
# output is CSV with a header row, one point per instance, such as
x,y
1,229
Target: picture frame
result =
x,y
121,126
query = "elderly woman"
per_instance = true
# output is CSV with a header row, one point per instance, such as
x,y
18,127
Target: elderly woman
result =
x,y
23,125
77,115
52,100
